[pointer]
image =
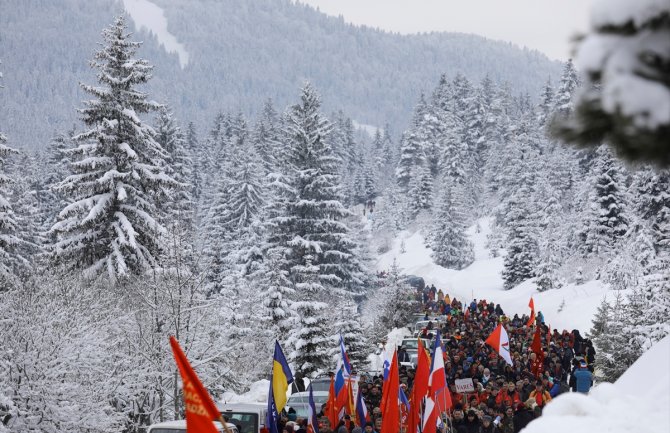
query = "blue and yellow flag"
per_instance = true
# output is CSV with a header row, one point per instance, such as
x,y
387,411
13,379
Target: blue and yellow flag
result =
x,y
281,379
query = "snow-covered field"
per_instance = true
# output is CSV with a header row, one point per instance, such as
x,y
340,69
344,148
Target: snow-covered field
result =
x,y
483,280
638,402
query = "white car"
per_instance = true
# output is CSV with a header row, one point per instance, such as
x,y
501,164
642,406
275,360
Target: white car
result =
x,y
299,401
180,427
248,417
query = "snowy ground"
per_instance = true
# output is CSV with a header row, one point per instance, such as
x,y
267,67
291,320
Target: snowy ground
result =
x,y
638,402
483,280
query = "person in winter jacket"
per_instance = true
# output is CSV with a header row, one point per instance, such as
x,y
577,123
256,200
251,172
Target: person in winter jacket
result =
x,y
472,422
583,378
487,425
540,395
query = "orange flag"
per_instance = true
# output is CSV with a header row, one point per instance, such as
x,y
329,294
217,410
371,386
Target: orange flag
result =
x,y
419,390
200,409
531,321
391,411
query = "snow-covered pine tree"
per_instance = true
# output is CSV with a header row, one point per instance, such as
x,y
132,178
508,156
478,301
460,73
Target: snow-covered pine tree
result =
x,y
266,136
179,166
609,108
8,238
112,225
349,327
309,336
193,150
451,248
315,214
546,106
616,351
397,301
420,193
567,86
608,220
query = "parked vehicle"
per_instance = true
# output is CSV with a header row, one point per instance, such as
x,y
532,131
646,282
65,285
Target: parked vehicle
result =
x,y
248,417
180,427
299,401
416,282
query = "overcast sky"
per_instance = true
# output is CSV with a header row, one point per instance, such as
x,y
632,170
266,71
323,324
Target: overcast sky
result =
x,y
545,25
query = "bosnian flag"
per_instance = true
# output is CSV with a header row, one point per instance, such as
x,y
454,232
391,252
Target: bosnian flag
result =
x,y
500,343
437,380
312,424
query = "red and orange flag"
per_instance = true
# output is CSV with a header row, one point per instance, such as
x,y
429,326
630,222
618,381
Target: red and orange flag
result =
x,y
200,408
531,321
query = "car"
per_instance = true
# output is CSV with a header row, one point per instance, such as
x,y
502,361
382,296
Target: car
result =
x,y
321,384
411,346
248,417
299,401
179,426
415,282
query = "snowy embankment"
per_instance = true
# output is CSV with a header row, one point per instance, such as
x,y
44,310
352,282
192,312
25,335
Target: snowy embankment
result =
x,y
150,16
483,280
638,402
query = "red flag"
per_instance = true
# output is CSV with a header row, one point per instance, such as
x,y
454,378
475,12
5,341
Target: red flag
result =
x,y
391,411
331,406
548,334
420,388
531,321
536,345
466,316
499,341
200,409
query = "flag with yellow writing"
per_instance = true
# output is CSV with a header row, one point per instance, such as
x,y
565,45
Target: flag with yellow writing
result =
x,y
201,412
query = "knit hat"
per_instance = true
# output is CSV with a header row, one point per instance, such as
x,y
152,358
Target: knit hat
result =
x,y
357,430
487,418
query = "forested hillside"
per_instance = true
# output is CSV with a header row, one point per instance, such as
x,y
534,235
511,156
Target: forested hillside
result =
x,y
241,52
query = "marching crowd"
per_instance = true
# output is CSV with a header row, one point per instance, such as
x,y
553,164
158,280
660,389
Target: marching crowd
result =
x,y
505,397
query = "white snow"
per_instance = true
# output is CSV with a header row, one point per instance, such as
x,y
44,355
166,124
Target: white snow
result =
x,y
258,393
638,402
483,280
150,16
370,129
619,12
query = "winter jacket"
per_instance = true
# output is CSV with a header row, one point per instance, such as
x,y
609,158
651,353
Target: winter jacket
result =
x,y
522,418
583,380
540,398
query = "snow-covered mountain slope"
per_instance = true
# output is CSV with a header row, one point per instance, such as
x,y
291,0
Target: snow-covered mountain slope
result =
x,y
638,402
149,16
571,307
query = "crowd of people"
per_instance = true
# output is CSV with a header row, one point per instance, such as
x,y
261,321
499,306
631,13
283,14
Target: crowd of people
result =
x,y
506,397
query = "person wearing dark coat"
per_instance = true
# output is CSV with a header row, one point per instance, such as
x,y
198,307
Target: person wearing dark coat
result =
x,y
472,422
522,417
487,425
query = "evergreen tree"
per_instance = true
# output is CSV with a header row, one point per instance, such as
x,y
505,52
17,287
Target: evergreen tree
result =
x,y
315,215
309,334
179,166
397,301
608,221
546,106
112,225
8,227
451,248
420,193
350,329
609,108
566,90
193,149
